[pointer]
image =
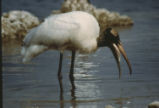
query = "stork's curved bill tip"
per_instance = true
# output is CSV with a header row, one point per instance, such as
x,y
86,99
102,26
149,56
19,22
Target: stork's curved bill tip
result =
x,y
118,49
122,51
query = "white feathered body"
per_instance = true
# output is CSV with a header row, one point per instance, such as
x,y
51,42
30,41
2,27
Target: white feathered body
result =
x,y
69,31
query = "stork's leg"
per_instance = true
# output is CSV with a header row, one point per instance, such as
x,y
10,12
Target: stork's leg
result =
x,y
60,66
72,65
71,75
60,77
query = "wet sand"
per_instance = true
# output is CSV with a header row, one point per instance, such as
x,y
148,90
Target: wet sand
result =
x,y
35,84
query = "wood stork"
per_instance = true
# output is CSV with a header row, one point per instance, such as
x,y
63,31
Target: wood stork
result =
x,y
74,31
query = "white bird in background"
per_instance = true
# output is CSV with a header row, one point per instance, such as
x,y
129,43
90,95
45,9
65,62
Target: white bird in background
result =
x,y
74,31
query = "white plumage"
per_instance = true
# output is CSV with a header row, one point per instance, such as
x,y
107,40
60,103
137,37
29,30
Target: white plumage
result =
x,y
75,30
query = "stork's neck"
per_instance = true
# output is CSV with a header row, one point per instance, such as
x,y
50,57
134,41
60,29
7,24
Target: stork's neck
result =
x,y
101,41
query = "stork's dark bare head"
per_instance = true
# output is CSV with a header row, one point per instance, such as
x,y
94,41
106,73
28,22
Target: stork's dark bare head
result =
x,y
111,39
111,36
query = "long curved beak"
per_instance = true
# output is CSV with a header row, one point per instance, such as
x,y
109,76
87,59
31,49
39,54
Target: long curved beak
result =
x,y
118,49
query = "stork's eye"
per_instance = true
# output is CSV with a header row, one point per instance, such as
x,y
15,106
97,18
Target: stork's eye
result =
x,y
114,37
111,36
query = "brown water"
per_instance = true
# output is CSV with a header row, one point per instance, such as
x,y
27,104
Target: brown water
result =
x,y
35,85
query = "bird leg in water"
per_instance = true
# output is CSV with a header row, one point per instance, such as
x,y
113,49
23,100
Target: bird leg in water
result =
x,y
72,80
72,67
71,74
60,78
60,66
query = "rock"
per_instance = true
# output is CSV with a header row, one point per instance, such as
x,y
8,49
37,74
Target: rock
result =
x,y
154,104
15,24
104,17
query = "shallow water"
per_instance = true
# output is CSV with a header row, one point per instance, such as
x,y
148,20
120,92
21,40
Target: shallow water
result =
x,y
35,85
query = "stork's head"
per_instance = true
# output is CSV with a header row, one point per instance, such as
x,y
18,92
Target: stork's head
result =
x,y
111,39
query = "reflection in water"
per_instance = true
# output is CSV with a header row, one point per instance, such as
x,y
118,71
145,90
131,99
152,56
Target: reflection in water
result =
x,y
86,82
71,81
85,68
10,48
33,85
82,67
24,85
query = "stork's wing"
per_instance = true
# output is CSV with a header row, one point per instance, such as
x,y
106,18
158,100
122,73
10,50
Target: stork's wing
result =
x,y
53,29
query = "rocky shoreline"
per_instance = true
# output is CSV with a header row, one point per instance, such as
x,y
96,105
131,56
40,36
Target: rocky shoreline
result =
x,y
16,23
